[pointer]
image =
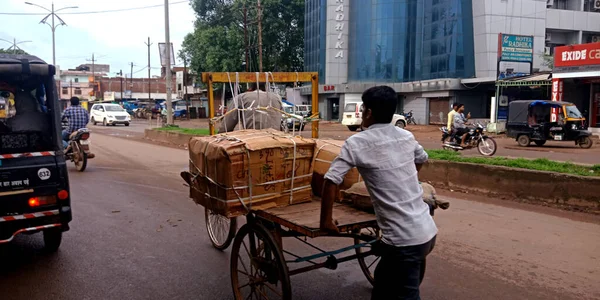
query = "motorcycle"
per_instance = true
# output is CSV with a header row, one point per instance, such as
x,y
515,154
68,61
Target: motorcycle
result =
x,y
409,118
78,148
476,138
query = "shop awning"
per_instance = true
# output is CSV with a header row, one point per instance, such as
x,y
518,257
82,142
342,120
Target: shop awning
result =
x,y
529,80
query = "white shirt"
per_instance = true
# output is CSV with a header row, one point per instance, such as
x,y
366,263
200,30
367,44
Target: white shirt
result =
x,y
385,156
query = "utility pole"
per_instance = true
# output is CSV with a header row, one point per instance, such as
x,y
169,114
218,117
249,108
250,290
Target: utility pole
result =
x,y
149,83
260,52
52,26
168,66
131,81
246,34
93,73
121,75
185,77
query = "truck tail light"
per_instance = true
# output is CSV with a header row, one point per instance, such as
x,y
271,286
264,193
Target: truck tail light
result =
x,y
63,195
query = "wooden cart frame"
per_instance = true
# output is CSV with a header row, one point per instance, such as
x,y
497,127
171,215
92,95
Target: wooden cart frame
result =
x,y
263,77
259,267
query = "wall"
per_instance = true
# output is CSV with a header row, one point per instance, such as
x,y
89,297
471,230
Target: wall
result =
x,y
490,17
419,107
573,20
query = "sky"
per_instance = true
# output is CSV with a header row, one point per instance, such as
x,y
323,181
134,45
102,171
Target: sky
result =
x,y
115,38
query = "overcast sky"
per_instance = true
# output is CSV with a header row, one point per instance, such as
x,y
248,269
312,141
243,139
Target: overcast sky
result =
x,y
116,38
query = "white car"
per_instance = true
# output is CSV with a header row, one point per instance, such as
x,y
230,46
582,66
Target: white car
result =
x,y
109,114
352,116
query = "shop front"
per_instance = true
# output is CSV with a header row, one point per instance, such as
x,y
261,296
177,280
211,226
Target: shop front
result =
x,y
576,79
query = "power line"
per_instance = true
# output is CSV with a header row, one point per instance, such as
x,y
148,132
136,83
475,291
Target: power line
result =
x,y
92,12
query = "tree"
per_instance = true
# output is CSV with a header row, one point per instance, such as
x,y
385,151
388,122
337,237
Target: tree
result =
x,y
547,60
11,51
217,43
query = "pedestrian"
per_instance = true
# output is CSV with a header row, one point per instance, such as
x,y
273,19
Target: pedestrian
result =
x,y
388,158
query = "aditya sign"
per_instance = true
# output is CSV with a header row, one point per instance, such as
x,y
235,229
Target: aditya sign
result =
x,y
577,55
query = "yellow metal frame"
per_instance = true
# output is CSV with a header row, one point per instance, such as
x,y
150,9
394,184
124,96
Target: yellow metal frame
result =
x,y
251,77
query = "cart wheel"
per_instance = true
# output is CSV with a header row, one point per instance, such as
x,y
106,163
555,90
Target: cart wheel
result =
x,y
523,140
369,263
221,230
258,268
585,142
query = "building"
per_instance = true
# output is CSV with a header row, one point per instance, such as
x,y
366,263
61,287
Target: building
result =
x,y
576,78
136,88
433,52
80,84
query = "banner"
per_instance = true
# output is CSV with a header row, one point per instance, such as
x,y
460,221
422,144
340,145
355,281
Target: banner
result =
x,y
163,54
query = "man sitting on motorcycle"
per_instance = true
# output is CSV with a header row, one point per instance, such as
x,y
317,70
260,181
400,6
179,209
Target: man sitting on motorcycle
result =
x,y
460,124
77,116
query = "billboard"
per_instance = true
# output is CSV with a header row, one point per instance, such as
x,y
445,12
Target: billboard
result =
x,y
577,56
163,54
515,48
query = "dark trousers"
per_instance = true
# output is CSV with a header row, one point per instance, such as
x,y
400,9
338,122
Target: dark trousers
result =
x,y
400,271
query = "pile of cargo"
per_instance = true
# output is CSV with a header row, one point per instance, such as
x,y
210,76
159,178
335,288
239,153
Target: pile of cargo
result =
x,y
251,169
233,173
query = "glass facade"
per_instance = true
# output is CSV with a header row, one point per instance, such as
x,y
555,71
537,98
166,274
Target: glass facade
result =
x,y
409,40
315,20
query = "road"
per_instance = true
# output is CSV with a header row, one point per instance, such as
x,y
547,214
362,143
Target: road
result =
x,y
136,235
428,136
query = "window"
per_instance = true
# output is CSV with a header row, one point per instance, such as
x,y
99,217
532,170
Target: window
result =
x,y
76,79
65,91
77,91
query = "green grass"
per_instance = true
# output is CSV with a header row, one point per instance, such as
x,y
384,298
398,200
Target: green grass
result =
x,y
540,164
191,131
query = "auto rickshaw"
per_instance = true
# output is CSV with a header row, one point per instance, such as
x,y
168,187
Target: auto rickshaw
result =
x,y
531,120
34,182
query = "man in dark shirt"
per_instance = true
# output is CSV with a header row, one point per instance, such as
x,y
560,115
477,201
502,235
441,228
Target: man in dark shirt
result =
x,y
77,116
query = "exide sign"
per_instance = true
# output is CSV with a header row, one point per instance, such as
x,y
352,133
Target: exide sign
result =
x,y
577,55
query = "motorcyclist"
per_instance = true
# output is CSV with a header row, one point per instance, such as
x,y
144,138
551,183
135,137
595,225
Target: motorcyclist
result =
x,y
460,124
77,116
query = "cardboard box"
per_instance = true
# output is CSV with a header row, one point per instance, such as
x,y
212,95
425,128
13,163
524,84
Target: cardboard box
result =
x,y
250,169
326,151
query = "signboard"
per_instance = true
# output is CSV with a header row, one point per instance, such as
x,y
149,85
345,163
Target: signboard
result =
x,y
577,55
336,41
109,96
128,94
515,48
163,54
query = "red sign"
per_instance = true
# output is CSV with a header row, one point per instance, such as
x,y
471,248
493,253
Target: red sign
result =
x,y
329,88
577,55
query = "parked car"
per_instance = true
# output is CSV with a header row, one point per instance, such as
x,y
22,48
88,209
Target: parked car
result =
x,y
352,116
109,114
293,122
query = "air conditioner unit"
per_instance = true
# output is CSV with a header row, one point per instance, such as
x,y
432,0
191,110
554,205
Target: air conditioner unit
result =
x,y
596,39
546,50
596,4
549,3
549,36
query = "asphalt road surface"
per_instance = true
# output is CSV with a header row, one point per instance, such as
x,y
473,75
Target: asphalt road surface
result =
x,y
136,235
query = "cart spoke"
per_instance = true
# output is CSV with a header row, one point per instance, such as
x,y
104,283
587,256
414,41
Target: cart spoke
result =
x,y
377,259
243,264
262,293
274,290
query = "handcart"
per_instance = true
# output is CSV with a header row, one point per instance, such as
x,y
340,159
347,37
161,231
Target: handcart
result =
x,y
260,265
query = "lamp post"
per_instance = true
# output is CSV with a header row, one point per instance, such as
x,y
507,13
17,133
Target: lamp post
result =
x,y
53,26
14,45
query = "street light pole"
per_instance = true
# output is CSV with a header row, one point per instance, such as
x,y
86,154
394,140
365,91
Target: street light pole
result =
x,y
53,25
14,44
168,67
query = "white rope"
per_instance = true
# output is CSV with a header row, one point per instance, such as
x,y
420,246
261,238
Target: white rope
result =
x,y
293,171
235,100
224,105
258,99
